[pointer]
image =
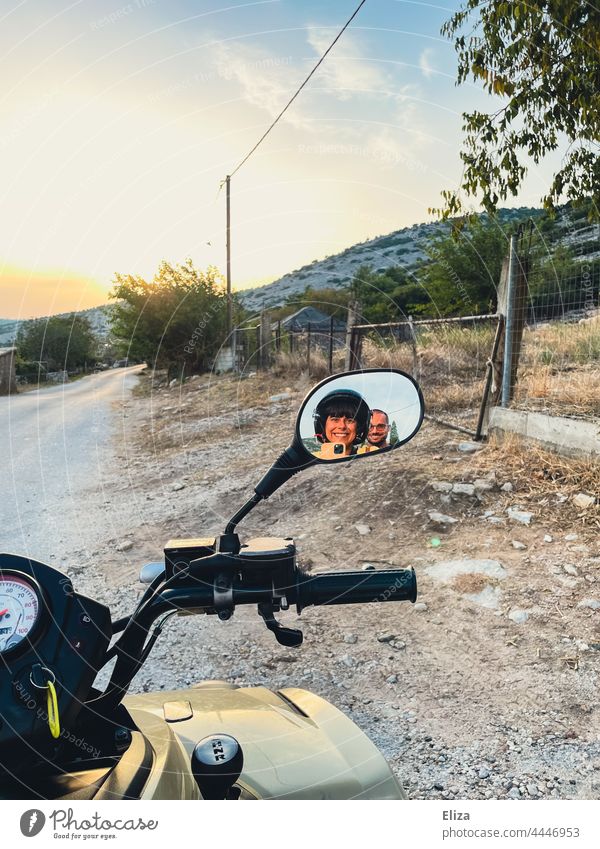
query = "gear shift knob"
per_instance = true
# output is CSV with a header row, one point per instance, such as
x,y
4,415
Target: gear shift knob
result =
x,y
217,763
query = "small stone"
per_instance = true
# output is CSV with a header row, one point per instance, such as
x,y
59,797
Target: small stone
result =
x,y
583,501
350,638
496,520
521,516
591,603
548,538
392,679
438,787
463,489
483,485
368,567
514,793
519,546
385,638
173,383
483,773
441,519
570,570
283,396
348,661
441,486
469,447
363,530
126,545
176,487
419,607
571,537
532,790
518,616
507,487
398,645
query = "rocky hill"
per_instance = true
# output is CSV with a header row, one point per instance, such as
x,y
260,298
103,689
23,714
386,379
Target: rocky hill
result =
x,y
407,248
97,316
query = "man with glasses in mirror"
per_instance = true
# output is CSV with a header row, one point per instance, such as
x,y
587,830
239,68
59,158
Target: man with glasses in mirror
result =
x,y
377,435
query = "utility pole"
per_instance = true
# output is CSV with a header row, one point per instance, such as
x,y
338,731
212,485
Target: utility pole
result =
x,y
229,304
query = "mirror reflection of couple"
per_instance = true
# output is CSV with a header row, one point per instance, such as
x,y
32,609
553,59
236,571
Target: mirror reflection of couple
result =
x,y
345,425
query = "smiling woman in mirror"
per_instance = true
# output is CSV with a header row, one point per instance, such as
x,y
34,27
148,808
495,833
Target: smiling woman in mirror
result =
x,y
341,422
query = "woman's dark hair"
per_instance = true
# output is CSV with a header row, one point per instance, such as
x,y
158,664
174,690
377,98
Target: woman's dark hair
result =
x,y
342,402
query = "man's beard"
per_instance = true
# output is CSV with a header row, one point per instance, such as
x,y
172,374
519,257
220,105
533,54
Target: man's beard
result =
x,y
379,443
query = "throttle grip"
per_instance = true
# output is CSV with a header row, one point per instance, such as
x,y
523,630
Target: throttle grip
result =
x,y
356,587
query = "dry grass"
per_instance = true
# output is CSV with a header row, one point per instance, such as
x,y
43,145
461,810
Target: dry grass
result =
x,y
571,392
558,344
535,470
296,364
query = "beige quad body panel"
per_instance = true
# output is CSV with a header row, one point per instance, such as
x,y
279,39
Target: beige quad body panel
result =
x,y
295,744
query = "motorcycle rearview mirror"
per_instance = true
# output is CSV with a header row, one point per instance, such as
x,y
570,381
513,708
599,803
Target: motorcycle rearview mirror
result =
x,y
346,417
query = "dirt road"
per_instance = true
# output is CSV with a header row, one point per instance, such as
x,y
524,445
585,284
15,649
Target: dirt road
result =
x,y
55,446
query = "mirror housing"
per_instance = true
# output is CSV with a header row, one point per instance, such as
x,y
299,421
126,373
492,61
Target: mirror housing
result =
x,y
387,402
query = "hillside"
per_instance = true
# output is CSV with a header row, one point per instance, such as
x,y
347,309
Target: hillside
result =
x,y
97,316
407,248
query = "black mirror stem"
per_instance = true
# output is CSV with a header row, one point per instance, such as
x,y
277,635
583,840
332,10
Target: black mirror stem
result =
x,y
294,459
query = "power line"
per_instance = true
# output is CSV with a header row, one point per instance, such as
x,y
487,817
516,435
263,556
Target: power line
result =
x,y
291,100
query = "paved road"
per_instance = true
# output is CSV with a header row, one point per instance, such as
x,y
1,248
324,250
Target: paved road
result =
x,y
54,445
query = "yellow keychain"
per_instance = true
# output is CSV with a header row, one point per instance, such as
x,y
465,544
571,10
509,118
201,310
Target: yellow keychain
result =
x,y
53,717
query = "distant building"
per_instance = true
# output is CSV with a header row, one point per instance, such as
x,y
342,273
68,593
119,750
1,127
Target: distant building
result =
x,y
8,378
319,322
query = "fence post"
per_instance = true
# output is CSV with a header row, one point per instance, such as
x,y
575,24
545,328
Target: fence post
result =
x,y
413,341
516,303
308,348
264,341
331,324
351,358
497,360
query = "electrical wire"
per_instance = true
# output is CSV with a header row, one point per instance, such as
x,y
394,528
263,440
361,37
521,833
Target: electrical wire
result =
x,y
291,100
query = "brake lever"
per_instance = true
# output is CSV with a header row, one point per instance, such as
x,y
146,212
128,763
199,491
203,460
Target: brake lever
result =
x,y
290,637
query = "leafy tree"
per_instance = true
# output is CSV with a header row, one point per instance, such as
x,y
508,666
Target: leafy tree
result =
x,y
541,58
464,270
59,342
178,321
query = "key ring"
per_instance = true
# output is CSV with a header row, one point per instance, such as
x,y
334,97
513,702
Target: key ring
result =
x,y
44,686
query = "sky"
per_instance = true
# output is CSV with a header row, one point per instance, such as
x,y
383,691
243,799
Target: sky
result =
x,y
120,121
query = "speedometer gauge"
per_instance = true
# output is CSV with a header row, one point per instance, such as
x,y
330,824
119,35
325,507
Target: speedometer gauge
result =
x,y
19,609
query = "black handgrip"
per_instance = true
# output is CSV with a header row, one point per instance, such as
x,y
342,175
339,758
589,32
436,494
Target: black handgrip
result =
x,y
357,587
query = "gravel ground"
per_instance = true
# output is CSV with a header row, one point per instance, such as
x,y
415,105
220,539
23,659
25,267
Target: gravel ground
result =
x,y
487,688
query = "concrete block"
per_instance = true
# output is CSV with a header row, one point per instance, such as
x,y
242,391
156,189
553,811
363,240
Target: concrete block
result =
x,y
568,437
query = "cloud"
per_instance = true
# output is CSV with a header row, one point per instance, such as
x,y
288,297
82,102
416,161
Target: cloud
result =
x,y
426,64
266,80
345,70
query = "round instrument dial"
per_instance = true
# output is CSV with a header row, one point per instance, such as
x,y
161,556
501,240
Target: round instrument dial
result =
x,y
19,610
